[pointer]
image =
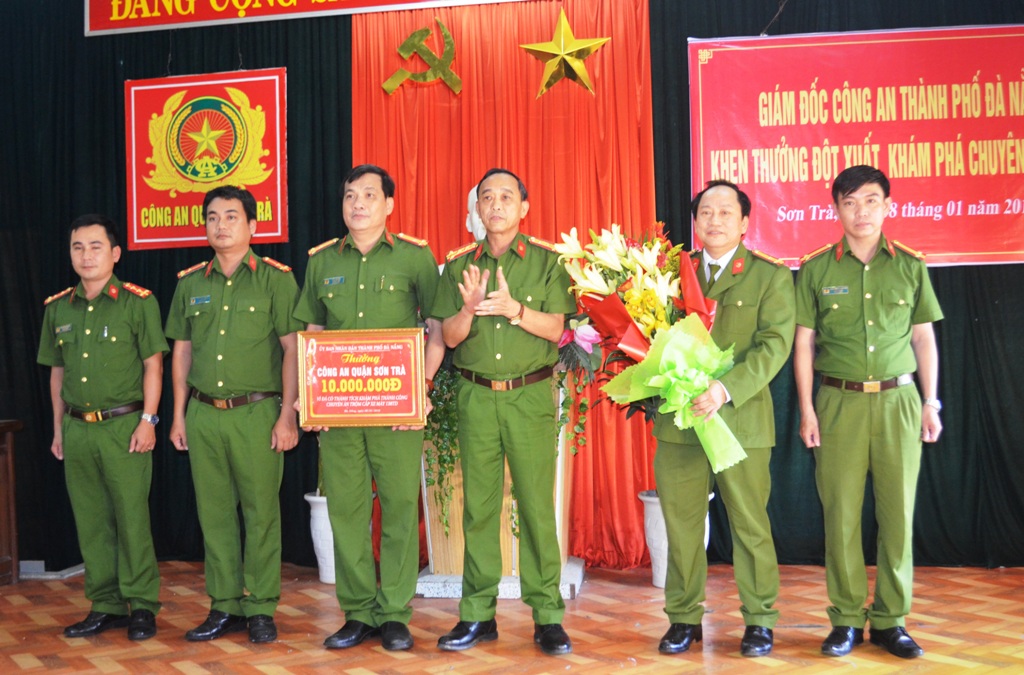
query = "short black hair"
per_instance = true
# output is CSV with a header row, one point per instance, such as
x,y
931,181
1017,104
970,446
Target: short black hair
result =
x,y
232,192
491,172
744,200
95,219
854,178
387,183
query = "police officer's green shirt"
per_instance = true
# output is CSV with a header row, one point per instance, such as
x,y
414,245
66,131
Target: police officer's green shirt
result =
x,y
391,286
494,348
864,314
101,343
235,325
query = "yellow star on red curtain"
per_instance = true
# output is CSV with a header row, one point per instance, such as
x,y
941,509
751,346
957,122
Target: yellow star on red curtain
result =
x,y
563,56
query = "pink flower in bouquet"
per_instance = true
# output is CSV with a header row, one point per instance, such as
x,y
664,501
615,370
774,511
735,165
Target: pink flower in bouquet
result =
x,y
586,336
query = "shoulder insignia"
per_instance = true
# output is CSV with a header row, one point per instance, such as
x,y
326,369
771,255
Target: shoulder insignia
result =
x,y
764,256
137,290
815,253
459,252
327,244
415,241
276,265
190,270
542,243
58,296
694,253
909,251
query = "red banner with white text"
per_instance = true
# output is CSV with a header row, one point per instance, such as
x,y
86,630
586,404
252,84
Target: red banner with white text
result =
x,y
185,136
940,112
126,16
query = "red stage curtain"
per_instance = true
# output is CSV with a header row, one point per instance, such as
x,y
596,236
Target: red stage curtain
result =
x,y
588,160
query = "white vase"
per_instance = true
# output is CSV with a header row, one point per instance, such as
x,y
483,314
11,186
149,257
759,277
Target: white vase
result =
x,y
657,537
323,537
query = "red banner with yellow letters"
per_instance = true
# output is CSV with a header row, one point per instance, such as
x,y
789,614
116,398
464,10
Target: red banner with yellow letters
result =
x,y
940,112
188,135
124,16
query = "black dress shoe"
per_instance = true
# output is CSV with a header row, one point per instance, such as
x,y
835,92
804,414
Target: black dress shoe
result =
x,y
757,641
96,623
552,639
262,629
467,634
897,641
142,625
841,640
395,636
679,638
350,635
217,623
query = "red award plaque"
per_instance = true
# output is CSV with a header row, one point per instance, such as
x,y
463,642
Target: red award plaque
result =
x,y
361,378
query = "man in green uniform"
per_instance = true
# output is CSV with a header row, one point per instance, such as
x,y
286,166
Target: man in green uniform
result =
x,y
235,357
503,302
373,279
867,306
755,314
103,343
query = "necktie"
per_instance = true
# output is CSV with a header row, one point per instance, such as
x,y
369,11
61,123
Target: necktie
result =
x,y
713,269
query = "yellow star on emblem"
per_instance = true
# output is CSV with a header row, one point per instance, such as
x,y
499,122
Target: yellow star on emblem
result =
x,y
563,56
206,139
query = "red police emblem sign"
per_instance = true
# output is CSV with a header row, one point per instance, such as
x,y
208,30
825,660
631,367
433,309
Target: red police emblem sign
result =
x,y
188,135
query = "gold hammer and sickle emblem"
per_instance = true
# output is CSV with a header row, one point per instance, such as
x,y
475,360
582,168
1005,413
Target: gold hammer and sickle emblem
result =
x,y
440,66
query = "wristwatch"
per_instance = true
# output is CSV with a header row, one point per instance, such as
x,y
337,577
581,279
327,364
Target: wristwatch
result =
x,y
152,419
933,402
517,319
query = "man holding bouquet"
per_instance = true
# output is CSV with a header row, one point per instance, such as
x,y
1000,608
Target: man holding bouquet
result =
x,y
756,314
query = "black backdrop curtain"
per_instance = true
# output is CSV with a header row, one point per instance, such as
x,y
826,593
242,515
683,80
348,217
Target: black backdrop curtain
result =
x,y
62,130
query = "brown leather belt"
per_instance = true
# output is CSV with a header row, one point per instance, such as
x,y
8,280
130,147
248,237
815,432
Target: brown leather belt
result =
x,y
228,403
872,387
508,385
101,415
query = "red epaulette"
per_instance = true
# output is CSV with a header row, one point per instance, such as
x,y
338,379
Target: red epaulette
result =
x,y
764,256
415,241
459,252
58,296
815,253
320,247
909,251
542,243
137,290
276,265
190,270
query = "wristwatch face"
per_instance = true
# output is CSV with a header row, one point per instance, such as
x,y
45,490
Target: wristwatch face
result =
x,y
933,402
152,419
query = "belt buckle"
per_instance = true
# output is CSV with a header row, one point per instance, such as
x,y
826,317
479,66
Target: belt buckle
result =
x,y
872,387
92,417
220,403
501,385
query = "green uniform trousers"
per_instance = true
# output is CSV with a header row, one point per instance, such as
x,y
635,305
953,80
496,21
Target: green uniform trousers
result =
x,y
517,425
881,434
684,479
352,459
109,491
232,464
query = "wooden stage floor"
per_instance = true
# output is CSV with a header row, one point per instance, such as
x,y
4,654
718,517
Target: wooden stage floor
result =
x,y
968,620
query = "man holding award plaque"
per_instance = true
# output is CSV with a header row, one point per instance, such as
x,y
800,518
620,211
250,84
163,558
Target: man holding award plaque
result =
x,y
372,279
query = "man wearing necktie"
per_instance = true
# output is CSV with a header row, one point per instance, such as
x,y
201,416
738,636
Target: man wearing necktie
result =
x,y
755,314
